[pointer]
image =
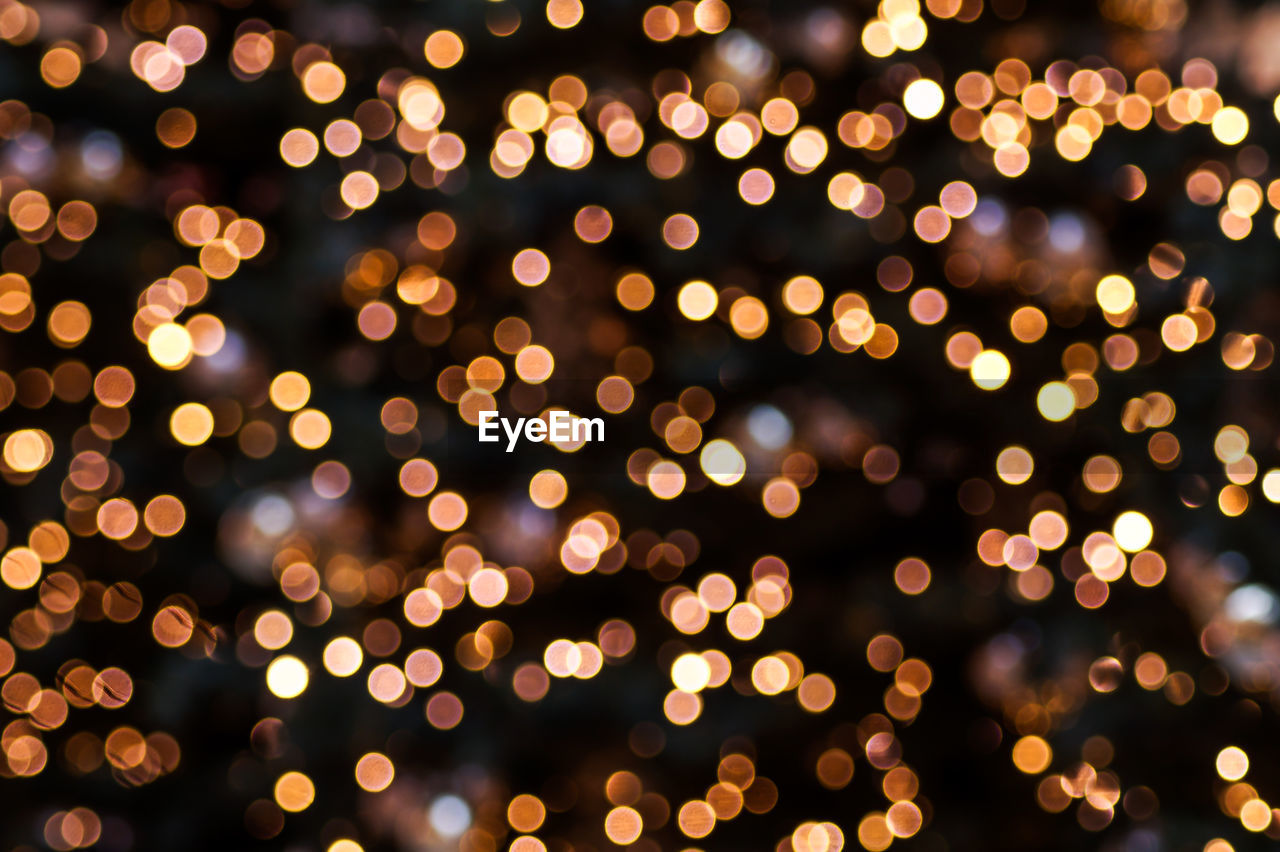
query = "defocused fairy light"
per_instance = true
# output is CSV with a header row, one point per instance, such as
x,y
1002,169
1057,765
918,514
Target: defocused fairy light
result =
x,y
956,306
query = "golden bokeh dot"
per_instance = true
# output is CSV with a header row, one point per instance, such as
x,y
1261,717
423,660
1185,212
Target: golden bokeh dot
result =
x,y
273,630
342,137
526,813
548,489
802,295
1232,763
1028,324
344,845
770,675
375,772
359,190
310,428
779,116
1178,332
323,82
691,673
928,306
444,48
287,677
27,450
1255,815
958,199
874,833
289,391
444,711
680,231
749,317
527,843
534,364
219,258
923,98
299,147
1056,401
77,220
781,497
1014,465
376,320
530,267
697,300
164,515
816,693
989,369
447,511
191,424
117,518
744,621
20,568
635,291
417,477
1230,125
170,346
386,683
904,819
60,66
593,224
1115,294
756,186
932,224
1031,754
294,792
488,587
342,656
912,576
1132,531
623,825
564,14
69,323
176,127
665,479
696,819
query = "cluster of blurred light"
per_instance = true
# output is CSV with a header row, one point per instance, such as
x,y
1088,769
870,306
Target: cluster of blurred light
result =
x,y
727,103
162,65
897,25
685,18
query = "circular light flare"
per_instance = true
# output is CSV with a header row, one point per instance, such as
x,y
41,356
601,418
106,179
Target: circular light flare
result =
x,y
28,450
623,825
722,462
530,267
191,424
1115,294
1032,755
1232,763
691,673
375,772
170,346
287,677
294,792
1056,401
923,99
1132,531
1230,125
990,369
323,82
359,190
697,300
343,657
